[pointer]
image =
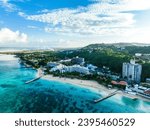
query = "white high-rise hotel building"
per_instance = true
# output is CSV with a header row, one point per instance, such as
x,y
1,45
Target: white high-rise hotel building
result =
x,y
132,71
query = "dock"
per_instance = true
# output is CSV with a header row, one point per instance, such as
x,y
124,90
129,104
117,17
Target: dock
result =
x,y
30,81
108,96
40,74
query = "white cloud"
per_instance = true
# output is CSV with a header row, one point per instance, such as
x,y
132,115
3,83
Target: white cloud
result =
x,y
103,17
32,27
9,36
7,5
44,11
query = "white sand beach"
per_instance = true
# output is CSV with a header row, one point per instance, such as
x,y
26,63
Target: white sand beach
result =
x,y
83,83
91,84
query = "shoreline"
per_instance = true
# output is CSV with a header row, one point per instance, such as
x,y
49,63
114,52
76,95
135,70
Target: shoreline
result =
x,y
79,82
90,84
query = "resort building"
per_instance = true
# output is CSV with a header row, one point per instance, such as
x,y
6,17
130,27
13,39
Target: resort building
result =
x,y
78,60
79,69
138,54
147,80
52,64
61,68
131,72
123,83
75,68
147,93
91,67
64,61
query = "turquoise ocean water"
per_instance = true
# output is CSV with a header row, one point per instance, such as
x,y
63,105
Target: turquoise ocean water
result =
x,y
51,96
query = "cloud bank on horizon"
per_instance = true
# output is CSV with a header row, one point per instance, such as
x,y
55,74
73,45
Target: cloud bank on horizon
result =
x,y
74,23
8,36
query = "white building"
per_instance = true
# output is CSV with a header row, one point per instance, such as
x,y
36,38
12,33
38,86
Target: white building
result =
x,y
91,67
61,68
78,68
75,68
147,80
138,54
52,64
78,60
132,71
68,60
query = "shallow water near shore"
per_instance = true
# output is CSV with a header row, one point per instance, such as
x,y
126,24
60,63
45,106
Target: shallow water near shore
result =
x,y
51,96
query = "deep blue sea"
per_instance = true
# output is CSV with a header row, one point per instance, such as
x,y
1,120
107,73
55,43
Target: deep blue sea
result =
x,y
45,96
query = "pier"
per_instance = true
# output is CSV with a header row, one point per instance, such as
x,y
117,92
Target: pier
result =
x,y
30,81
108,96
39,73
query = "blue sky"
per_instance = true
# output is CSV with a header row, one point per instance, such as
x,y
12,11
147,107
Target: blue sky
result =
x,y
73,23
